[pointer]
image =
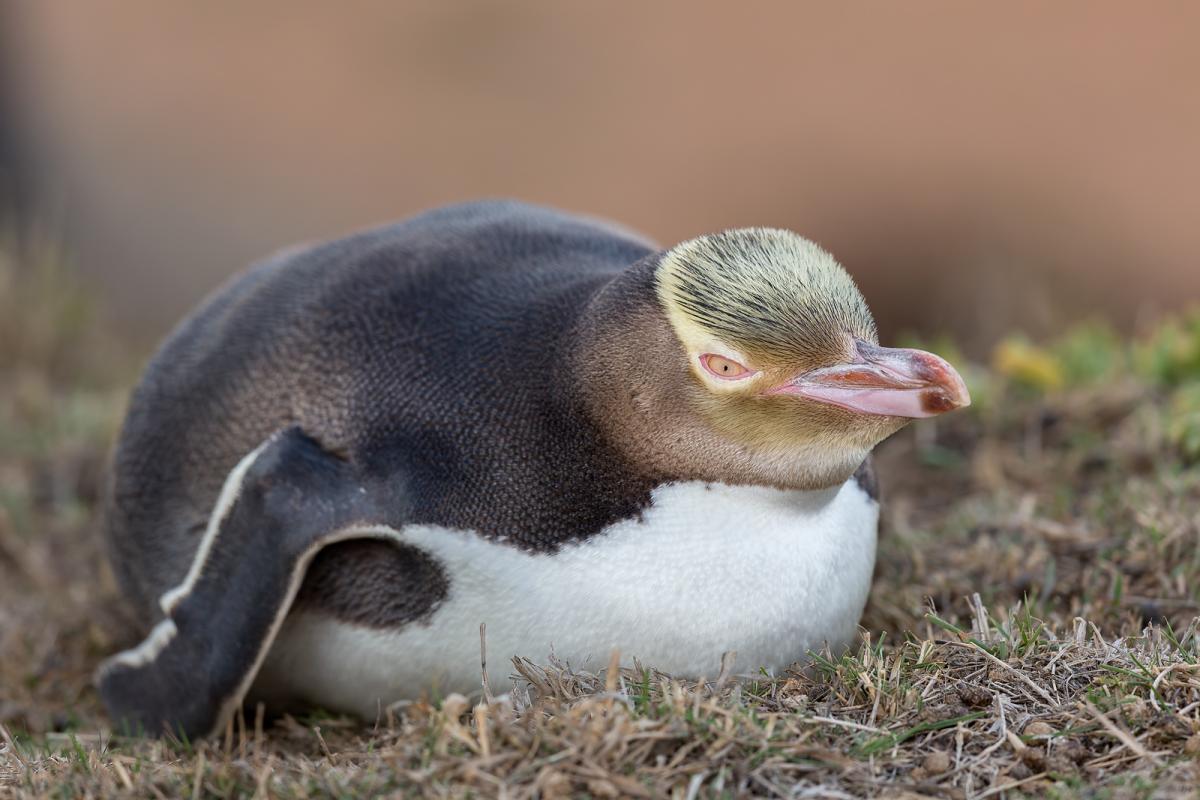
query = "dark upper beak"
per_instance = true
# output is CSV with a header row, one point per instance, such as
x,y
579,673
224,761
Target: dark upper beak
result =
x,y
886,381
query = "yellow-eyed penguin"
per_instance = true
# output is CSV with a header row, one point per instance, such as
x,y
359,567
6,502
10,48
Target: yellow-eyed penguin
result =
x,y
354,454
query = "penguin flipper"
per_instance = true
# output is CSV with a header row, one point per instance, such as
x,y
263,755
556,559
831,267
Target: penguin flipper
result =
x,y
280,505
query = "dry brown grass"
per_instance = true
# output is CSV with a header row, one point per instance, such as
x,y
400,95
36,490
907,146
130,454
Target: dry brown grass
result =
x,y
1033,628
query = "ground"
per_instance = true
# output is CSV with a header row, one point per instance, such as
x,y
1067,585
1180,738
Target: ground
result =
x,y
1032,630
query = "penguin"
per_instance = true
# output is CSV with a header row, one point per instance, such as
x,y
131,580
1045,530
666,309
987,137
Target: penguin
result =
x,y
355,454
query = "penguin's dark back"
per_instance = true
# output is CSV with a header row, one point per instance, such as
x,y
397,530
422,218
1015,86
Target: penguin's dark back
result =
x,y
432,352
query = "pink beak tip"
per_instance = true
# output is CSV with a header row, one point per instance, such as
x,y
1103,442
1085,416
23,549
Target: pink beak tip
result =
x,y
947,390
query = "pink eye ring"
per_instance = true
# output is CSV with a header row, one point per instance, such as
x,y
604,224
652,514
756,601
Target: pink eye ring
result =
x,y
724,368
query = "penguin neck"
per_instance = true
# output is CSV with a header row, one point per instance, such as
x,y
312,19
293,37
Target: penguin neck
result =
x,y
636,387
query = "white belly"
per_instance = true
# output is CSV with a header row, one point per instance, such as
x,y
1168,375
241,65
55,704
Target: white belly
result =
x,y
708,568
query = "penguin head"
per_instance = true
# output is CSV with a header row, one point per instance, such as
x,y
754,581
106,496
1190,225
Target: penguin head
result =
x,y
783,354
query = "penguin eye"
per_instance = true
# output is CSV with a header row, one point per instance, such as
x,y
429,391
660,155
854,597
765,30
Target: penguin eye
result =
x,y
722,367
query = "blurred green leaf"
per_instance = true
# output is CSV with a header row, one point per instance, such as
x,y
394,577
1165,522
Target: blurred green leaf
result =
x,y
1171,354
1089,353
1183,420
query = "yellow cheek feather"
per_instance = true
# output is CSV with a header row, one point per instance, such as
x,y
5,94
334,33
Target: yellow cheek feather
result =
x,y
698,342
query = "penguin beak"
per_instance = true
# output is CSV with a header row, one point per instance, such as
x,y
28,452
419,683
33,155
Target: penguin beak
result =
x,y
885,381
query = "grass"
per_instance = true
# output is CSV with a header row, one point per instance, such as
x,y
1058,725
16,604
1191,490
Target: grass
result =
x,y
1032,631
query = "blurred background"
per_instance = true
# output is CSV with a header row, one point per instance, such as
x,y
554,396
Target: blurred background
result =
x,y
978,168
